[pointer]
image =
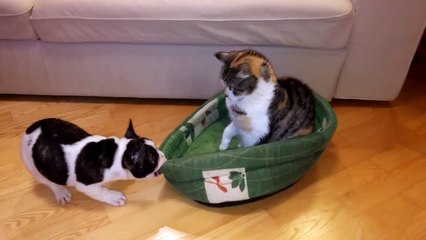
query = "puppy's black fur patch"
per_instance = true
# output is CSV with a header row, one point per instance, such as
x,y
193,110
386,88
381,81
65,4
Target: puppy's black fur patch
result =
x,y
47,152
93,159
59,130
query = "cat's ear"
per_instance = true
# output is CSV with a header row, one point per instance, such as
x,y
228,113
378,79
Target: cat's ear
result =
x,y
245,70
225,57
265,71
130,132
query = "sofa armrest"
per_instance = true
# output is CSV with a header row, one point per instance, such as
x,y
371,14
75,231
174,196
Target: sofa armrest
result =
x,y
385,36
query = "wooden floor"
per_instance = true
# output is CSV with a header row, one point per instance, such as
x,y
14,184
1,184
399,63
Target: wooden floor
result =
x,y
369,184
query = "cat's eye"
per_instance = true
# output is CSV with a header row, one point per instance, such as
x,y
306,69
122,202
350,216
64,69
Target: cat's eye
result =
x,y
236,90
243,75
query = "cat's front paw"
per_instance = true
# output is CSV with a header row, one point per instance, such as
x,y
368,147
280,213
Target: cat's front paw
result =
x,y
223,146
115,198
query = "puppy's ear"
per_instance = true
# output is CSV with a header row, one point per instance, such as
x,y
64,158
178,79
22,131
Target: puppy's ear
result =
x,y
130,132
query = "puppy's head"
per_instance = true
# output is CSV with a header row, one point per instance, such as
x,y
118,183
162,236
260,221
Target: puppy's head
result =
x,y
141,157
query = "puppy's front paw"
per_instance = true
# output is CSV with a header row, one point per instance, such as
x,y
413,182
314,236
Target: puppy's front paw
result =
x,y
115,198
62,195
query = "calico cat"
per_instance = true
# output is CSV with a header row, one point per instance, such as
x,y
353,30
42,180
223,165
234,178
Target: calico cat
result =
x,y
59,154
262,107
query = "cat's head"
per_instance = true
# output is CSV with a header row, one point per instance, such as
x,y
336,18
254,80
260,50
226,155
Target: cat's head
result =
x,y
242,71
141,157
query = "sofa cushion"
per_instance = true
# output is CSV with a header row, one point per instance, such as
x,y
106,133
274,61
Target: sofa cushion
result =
x,y
308,23
15,19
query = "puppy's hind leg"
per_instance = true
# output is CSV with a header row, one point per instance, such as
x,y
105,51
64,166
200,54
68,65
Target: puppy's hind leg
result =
x,y
62,195
100,193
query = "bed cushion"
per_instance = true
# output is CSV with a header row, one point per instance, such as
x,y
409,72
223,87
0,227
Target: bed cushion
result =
x,y
15,19
309,23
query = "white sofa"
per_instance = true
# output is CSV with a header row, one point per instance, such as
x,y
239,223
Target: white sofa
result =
x,y
164,49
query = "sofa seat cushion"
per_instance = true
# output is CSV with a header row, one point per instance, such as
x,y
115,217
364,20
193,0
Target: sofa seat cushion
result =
x,y
15,20
308,23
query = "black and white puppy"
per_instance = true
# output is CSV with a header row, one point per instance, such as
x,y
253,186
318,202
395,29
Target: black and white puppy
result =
x,y
60,154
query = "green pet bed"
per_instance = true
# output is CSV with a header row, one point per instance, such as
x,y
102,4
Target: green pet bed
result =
x,y
197,169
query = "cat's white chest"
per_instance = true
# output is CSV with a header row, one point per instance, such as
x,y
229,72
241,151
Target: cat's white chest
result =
x,y
250,113
240,117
